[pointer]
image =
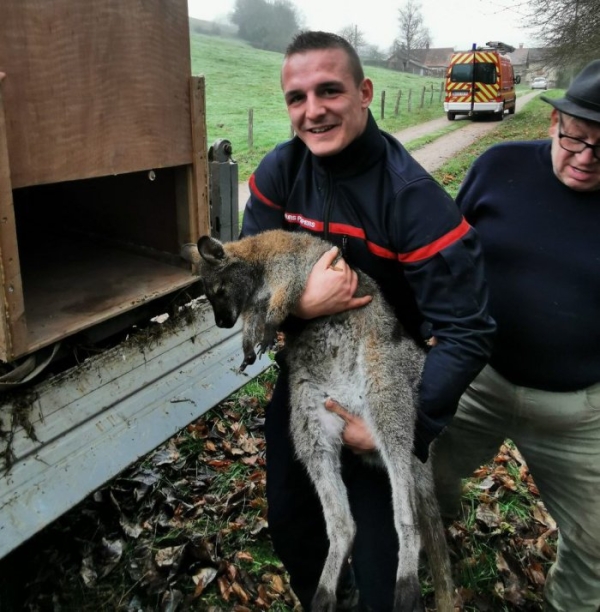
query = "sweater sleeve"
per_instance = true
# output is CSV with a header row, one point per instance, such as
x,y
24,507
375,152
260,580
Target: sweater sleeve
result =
x,y
467,194
442,260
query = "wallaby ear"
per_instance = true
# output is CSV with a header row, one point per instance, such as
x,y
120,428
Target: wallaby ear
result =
x,y
211,250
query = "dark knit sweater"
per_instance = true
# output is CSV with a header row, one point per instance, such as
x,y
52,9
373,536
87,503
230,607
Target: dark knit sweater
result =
x,y
541,243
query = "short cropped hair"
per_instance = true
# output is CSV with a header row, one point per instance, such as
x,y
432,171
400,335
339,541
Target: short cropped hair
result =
x,y
316,41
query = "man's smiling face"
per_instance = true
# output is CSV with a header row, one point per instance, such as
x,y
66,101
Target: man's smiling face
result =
x,y
327,108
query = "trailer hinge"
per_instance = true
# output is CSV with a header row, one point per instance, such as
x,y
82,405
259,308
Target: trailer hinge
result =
x,y
223,181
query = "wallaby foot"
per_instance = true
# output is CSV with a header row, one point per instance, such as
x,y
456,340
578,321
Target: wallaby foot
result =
x,y
249,359
323,601
408,595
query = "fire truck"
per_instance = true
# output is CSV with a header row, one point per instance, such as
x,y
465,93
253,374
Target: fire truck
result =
x,y
481,81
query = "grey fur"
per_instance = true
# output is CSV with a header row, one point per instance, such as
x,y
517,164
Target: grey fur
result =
x,y
361,359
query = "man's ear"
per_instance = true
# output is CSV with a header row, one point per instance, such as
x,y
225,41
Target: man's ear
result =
x,y
366,93
211,250
554,117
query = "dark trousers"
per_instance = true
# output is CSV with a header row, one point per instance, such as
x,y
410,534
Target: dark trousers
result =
x,y
296,521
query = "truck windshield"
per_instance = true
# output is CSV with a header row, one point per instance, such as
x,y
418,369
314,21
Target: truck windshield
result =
x,y
463,73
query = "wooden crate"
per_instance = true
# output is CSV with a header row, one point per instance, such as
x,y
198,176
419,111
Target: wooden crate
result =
x,y
103,169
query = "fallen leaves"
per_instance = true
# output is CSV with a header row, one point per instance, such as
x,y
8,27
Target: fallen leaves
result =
x,y
505,539
186,529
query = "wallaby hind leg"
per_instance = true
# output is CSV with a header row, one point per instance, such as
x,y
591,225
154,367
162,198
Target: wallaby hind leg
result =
x,y
321,457
325,471
408,590
393,428
434,538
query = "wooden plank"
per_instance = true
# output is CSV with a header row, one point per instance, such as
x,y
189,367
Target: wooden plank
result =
x,y
13,328
199,210
78,284
95,88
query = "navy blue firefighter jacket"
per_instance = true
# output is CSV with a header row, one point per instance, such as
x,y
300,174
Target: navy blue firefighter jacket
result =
x,y
394,222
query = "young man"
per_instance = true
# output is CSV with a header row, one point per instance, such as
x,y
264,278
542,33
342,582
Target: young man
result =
x,y
536,207
342,178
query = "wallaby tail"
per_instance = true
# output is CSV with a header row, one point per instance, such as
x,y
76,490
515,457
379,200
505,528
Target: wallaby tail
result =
x,y
434,541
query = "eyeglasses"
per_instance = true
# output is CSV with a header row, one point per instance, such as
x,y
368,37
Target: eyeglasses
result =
x,y
576,145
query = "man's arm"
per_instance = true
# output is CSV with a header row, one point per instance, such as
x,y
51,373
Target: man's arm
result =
x,y
443,263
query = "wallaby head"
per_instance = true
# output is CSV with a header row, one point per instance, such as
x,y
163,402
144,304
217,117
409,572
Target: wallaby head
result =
x,y
227,280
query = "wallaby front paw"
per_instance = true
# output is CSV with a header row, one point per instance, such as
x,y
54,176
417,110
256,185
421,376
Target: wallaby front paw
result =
x,y
268,341
265,346
249,359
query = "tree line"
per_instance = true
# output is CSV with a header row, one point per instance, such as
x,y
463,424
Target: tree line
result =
x,y
270,25
568,29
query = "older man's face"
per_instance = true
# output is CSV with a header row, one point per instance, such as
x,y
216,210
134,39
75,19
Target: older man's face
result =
x,y
579,171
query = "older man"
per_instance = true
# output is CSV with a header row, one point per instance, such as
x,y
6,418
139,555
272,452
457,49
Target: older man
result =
x,y
536,208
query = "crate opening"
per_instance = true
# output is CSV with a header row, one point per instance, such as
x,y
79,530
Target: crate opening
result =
x,y
94,248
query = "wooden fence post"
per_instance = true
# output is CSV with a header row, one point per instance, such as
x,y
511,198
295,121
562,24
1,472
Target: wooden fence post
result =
x,y
423,97
397,107
409,106
383,104
431,97
250,128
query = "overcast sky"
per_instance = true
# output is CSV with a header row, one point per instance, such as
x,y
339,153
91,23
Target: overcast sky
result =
x,y
452,23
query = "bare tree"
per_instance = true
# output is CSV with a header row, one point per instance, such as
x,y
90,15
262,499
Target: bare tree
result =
x,y
413,33
354,36
372,54
569,29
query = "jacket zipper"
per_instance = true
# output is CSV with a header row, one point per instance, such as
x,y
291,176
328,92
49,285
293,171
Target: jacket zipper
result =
x,y
344,245
327,216
328,207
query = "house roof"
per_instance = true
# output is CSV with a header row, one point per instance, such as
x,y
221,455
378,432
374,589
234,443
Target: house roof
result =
x,y
537,54
519,57
525,57
434,58
429,58
440,57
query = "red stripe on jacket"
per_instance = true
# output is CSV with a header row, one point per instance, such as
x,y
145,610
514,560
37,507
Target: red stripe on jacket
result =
x,y
420,254
256,191
436,246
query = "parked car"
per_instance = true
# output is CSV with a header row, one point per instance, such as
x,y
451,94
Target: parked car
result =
x,y
539,83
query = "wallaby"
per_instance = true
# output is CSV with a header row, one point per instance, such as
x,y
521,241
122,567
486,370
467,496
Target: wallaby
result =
x,y
362,359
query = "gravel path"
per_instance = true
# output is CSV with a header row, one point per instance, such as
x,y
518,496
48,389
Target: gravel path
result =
x,y
437,153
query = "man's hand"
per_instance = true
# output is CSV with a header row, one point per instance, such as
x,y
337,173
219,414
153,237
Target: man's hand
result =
x,y
356,435
330,288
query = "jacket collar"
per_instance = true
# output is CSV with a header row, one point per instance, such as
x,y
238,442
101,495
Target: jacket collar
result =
x,y
362,153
